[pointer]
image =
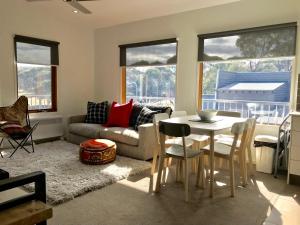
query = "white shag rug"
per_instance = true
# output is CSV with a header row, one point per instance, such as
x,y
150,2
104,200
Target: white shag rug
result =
x,y
66,176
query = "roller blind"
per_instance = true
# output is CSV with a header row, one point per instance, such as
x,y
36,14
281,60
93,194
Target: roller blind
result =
x,y
160,52
260,42
36,51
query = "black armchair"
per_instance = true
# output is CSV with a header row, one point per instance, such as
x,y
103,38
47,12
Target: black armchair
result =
x,y
37,212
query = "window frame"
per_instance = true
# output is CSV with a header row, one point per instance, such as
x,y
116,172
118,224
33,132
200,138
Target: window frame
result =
x,y
139,44
54,63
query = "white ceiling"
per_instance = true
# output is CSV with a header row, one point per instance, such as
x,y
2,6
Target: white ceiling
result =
x,y
107,13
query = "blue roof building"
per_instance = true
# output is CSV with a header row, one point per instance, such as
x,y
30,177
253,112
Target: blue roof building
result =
x,y
253,86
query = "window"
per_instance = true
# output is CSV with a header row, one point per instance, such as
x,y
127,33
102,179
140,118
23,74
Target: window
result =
x,y
36,61
149,72
248,71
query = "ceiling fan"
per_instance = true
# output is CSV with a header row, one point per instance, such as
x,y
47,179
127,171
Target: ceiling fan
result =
x,y
73,3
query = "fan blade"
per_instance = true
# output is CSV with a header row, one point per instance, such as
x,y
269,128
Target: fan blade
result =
x,y
76,0
37,0
81,8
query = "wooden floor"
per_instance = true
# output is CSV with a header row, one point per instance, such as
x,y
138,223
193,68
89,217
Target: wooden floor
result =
x,y
26,214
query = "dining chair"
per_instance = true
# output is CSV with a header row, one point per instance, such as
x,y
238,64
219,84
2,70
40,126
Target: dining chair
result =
x,y
168,142
228,140
180,152
157,117
226,113
227,152
199,141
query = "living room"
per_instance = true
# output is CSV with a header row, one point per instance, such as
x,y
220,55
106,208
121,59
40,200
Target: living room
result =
x,y
89,68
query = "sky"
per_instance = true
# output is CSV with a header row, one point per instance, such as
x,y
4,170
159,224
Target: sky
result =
x,y
223,47
151,53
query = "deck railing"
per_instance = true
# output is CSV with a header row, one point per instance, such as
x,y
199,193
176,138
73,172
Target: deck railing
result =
x,y
157,101
265,112
39,102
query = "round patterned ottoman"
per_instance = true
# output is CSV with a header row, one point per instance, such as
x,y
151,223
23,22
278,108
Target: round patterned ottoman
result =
x,y
97,151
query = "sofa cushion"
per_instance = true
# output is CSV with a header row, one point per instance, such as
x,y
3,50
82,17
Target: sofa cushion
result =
x,y
97,112
119,115
88,130
119,134
137,108
146,116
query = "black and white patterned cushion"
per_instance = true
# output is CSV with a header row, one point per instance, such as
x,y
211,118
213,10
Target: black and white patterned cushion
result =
x,y
146,116
97,112
137,108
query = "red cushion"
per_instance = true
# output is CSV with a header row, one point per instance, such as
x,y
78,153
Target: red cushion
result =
x,y
119,115
12,128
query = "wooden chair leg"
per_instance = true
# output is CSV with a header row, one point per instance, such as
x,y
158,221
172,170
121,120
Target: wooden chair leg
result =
x,y
195,146
180,170
169,162
245,168
177,170
154,161
200,174
251,171
203,171
232,183
186,183
164,173
160,169
242,168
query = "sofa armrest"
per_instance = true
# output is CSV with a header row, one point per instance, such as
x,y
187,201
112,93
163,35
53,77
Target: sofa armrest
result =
x,y
147,140
76,119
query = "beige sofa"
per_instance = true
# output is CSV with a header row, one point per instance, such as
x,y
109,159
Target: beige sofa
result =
x,y
136,144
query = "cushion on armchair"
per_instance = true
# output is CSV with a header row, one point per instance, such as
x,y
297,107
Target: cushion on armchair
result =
x,y
12,127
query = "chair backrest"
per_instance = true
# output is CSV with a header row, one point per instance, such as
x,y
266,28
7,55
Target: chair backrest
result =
x,y
17,112
158,117
229,113
251,124
238,129
174,129
178,114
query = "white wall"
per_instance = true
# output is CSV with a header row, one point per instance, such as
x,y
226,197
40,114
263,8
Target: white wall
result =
x,y
83,76
75,77
185,26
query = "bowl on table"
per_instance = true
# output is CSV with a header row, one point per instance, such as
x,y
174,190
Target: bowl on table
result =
x,y
207,115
